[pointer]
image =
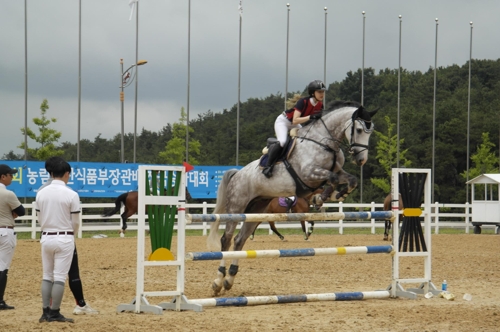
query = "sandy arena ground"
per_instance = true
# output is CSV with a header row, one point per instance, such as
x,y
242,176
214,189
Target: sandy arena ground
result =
x,y
470,264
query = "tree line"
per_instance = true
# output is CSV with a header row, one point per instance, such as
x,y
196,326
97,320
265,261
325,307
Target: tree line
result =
x,y
213,135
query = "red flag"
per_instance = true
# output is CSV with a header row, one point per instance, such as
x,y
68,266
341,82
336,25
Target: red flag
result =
x,y
188,167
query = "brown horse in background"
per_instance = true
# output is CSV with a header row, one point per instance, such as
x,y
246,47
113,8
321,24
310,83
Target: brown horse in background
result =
x,y
130,200
388,207
301,206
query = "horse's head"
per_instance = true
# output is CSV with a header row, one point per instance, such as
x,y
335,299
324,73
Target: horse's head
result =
x,y
357,131
350,119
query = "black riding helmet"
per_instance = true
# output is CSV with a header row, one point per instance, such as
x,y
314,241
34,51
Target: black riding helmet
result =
x,y
316,85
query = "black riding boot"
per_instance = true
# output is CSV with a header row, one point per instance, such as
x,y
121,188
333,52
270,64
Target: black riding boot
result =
x,y
273,154
3,285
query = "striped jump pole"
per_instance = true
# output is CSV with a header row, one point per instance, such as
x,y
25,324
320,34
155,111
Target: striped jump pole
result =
x,y
190,218
282,253
276,299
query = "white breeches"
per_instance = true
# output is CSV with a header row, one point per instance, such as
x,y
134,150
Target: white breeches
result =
x,y
282,126
8,243
57,255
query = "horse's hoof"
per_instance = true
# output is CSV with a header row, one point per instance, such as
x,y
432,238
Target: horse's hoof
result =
x,y
386,238
251,237
122,234
282,238
227,285
216,287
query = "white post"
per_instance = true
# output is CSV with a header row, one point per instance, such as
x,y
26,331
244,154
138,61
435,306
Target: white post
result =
x,y
373,220
205,223
341,221
179,302
436,217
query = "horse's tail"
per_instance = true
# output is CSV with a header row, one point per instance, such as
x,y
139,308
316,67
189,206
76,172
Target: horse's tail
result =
x,y
213,241
118,204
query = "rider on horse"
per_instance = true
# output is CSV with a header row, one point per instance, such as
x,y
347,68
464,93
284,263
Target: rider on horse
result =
x,y
305,109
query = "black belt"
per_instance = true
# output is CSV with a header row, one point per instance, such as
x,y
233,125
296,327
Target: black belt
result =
x,y
57,233
9,227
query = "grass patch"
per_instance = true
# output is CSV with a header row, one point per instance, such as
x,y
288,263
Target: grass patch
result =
x,y
283,231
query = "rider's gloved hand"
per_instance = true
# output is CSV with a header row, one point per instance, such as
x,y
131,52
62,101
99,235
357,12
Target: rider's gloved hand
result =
x,y
315,116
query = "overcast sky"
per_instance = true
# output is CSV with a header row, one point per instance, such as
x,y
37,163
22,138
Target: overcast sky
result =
x,y
107,35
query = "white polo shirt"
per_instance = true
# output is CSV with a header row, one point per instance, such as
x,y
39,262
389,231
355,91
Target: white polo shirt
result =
x,y
55,205
9,202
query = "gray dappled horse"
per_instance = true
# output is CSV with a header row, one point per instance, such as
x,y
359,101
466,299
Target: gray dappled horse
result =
x,y
316,158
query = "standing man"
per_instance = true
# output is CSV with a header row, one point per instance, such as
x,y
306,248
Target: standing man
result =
x,y
10,208
58,210
75,283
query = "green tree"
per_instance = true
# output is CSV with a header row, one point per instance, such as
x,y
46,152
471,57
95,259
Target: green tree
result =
x,y
47,136
387,150
484,160
12,156
175,149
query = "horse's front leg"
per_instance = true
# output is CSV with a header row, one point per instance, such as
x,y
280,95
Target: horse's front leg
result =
x,y
323,175
225,242
303,225
311,229
349,180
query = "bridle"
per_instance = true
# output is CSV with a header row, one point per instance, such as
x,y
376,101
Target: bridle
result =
x,y
353,142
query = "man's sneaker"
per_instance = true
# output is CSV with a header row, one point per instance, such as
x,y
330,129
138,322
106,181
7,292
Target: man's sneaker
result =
x,y
45,315
55,316
5,306
86,310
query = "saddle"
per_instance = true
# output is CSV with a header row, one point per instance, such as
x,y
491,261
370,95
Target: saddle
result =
x,y
302,189
287,150
287,202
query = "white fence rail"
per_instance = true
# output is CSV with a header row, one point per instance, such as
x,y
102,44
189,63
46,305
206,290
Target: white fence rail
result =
x,y
440,217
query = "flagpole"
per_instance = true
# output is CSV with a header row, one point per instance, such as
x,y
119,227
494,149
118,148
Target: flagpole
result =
x,y
399,86
136,73
324,61
239,89
25,82
79,77
287,43
468,113
363,63
362,101
434,115
188,79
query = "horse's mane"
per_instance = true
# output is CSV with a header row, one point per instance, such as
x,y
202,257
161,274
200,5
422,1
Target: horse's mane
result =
x,y
336,104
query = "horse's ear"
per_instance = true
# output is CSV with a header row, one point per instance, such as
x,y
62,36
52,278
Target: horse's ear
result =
x,y
358,113
372,113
